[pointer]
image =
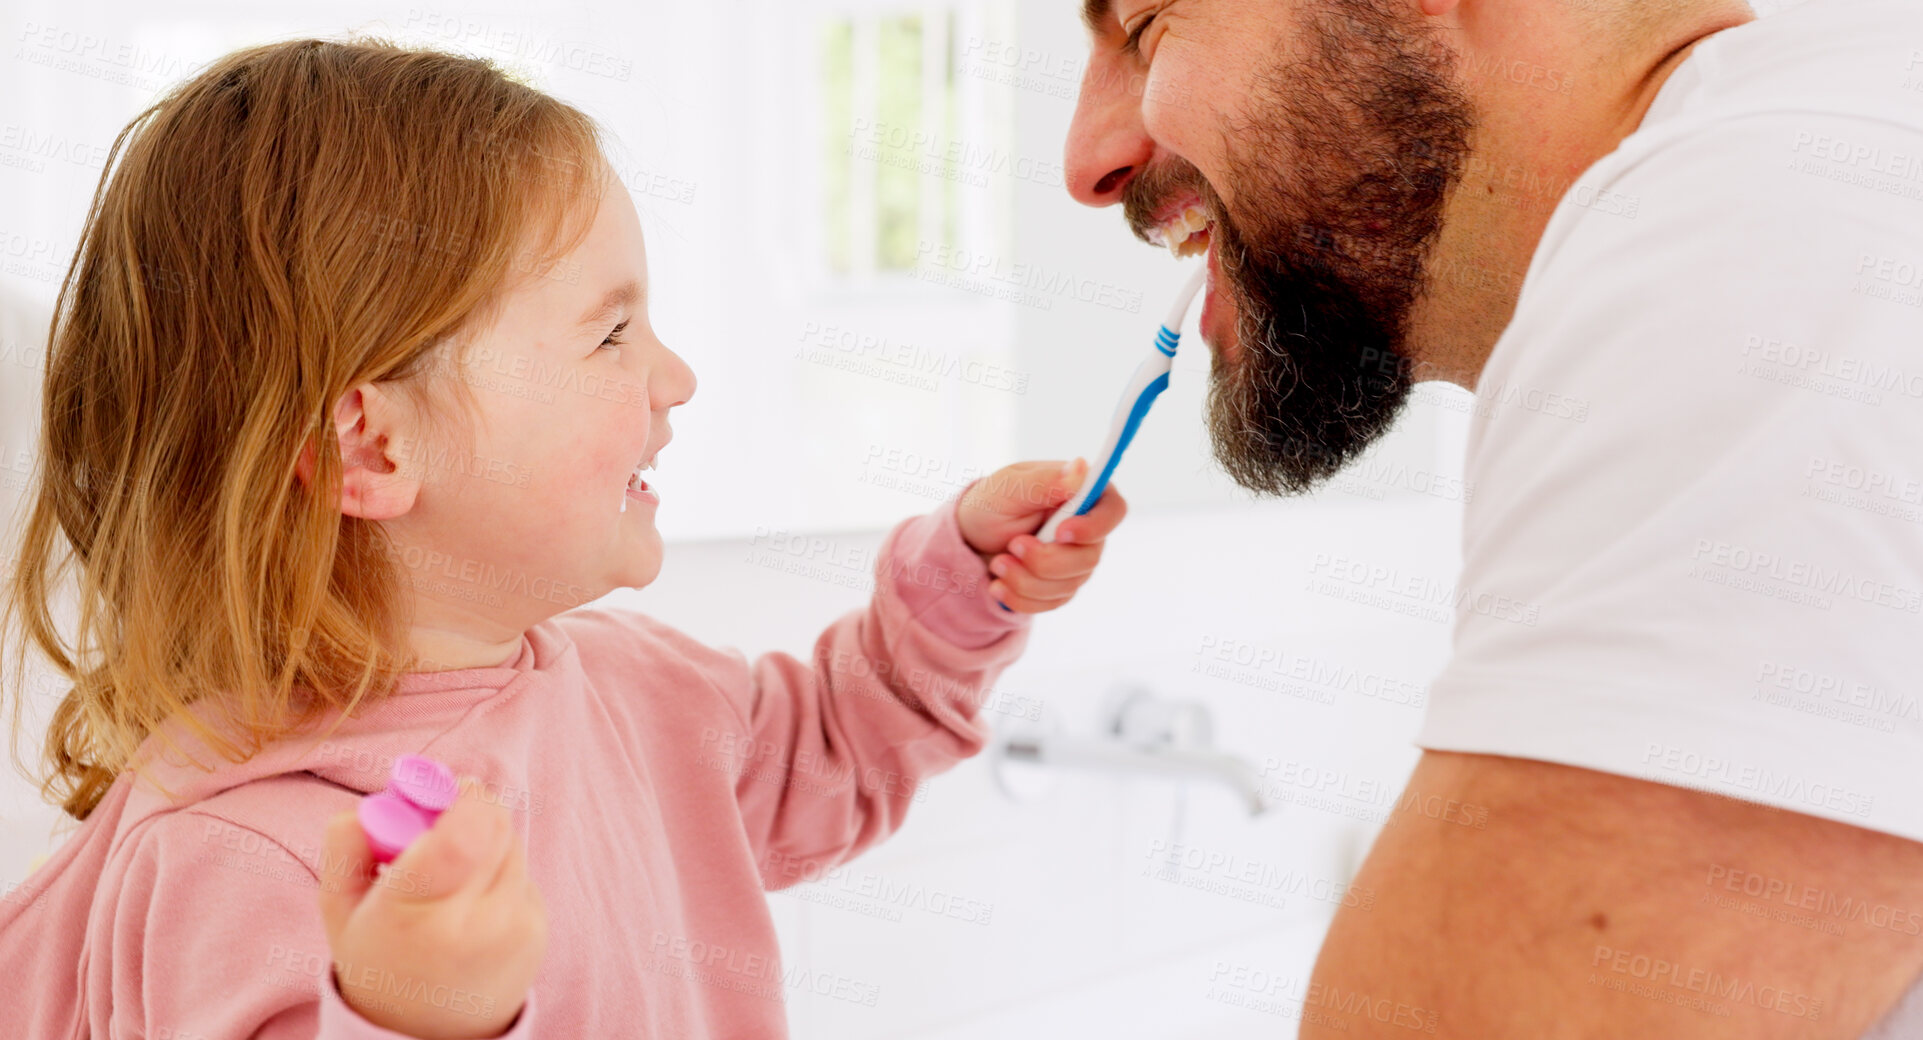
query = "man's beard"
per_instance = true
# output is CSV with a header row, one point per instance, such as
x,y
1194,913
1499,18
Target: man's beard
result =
x,y
1324,258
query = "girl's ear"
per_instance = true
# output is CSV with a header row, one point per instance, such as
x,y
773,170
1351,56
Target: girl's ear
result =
x,y
373,487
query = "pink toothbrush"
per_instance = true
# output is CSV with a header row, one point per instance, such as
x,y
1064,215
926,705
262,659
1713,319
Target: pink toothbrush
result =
x,y
419,789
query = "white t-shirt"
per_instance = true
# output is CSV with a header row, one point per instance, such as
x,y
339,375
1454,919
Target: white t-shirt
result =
x,y
1693,543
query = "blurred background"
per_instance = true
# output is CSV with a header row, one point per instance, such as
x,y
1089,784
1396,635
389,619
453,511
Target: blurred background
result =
x,y
860,239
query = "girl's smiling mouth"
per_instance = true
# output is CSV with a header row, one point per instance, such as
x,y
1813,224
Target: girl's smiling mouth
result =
x,y
638,488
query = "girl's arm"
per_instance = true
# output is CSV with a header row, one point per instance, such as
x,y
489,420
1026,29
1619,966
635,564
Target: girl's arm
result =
x,y
838,746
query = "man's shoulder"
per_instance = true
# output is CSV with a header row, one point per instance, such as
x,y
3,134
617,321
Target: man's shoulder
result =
x,y
1848,57
1818,105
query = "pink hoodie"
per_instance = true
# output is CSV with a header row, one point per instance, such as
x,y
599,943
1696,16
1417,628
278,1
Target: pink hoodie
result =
x,y
659,785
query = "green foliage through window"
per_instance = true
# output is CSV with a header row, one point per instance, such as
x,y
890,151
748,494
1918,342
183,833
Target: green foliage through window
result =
x,y
889,173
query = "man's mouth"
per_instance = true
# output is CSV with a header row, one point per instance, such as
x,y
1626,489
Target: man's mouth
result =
x,y
1184,224
1184,230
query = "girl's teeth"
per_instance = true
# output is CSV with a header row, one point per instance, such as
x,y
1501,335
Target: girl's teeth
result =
x,y
636,482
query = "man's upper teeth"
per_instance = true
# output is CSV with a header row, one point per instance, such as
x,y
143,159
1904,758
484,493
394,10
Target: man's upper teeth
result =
x,y
1178,231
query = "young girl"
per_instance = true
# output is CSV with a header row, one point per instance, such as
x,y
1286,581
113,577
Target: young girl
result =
x,y
348,399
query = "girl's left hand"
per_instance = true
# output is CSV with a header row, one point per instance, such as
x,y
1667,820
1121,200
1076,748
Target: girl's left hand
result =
x,y
1000,513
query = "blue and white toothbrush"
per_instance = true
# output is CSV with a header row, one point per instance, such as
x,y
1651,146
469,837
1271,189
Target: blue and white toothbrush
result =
x,y
1150,379
1148,382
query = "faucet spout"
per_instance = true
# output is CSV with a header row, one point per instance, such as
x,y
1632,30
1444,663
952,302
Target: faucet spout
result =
x,y
1230,770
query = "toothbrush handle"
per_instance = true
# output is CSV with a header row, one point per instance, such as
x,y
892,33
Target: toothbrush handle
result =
x,y
1123,433
1098,477
1129,415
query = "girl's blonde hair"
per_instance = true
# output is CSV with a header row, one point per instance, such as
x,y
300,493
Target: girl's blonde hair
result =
x,y
297,219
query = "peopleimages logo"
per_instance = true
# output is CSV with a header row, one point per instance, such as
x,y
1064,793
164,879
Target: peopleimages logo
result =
x,y
1896,486
1817,900
972,160
1671,982
1041,284
1858,154
1799,361
1832,581
1023,59
1749,777
1905,273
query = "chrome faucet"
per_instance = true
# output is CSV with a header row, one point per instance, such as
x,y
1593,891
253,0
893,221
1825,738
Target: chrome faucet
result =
x,y
1147,735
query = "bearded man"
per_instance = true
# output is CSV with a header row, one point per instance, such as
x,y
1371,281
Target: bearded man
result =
x,y
1676,250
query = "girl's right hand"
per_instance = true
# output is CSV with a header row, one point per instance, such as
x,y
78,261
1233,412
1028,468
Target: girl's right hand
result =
x,y
443,942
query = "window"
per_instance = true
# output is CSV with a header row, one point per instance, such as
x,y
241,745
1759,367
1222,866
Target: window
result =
x,y
889,108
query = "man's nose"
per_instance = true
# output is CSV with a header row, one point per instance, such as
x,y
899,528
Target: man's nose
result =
x,y
1107,145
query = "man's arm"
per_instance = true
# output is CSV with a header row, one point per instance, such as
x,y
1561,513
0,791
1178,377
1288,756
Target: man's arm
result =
x,y
1594,905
